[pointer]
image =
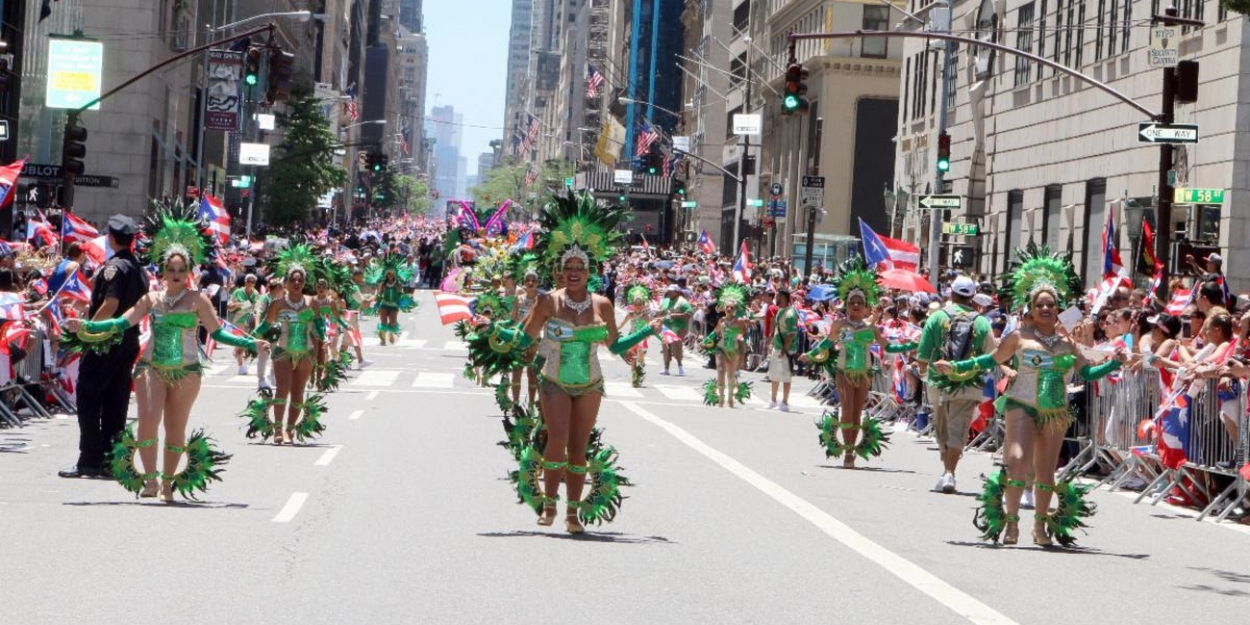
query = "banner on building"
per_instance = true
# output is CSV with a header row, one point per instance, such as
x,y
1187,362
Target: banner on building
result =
x,y
608,149
225,99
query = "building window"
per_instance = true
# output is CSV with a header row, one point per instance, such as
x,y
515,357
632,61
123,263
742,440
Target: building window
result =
x,y
1128,24
729,193
875,18
1051,224
906,88
742,17
1057,46
1080,35
1024,43
1041,39
1098,36
1015,227
952,76
737,70
936,74
1095,214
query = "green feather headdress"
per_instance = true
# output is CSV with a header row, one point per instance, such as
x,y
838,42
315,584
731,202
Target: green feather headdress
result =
x,y
175,228
296,257
494,306
522,264
390,261
1037,269
735,294
578,226
855,276
638,290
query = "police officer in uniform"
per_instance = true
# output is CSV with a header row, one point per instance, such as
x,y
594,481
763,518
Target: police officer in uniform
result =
x,y
104,379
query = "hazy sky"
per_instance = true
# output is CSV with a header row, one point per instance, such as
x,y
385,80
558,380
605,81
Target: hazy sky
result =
x,y
468,66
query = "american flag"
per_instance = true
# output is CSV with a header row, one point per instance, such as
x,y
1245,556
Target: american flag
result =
x,y
212,211
646,138
594,80
403,141
350,106
531,175
531,134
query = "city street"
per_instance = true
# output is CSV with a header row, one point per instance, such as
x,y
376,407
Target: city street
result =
x,y
402,513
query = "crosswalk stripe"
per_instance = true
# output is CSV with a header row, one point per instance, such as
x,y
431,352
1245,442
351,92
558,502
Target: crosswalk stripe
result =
x,y
215,369
456,346
621,389
241,379
680,393
376,378
411,343
430,379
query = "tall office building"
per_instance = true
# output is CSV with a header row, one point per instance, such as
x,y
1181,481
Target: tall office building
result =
x,y
410,15
518,69
449,166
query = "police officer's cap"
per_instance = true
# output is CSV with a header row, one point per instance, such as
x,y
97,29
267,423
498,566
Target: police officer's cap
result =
x,y
121,224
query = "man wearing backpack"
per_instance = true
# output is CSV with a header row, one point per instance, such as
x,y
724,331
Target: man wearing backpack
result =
x,y
956,332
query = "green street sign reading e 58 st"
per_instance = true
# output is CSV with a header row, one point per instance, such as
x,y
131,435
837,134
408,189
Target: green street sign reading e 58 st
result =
x,y
74,69
1184,195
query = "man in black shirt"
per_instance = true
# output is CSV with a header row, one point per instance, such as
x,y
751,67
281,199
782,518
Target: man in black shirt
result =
x,y
104,379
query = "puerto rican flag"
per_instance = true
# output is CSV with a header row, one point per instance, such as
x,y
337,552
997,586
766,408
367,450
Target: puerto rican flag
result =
x,y
77,287
8,181
526,242
453,308
41,231
900,379
1181,299
884,252
98,251
1172,428
73,228
705,243
11,308
1111,264
742,267
212,211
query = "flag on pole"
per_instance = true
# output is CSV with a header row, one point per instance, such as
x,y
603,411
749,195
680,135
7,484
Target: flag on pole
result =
x,y
212,211
352,110
1111,264
453,308
1148,246
882,251
705,243
647,137
742,267
594,80
74,229
1181,299
11,307
37,229
77,287
8,181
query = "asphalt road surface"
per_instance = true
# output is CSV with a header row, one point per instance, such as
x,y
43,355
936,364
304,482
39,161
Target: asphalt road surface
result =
x,y
402,513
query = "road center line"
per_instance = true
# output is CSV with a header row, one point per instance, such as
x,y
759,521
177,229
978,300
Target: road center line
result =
x,y
957,600
328,457
291,508
371,396
356,414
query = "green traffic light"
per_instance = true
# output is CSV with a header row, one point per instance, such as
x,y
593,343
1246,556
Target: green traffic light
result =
x,y
250,79
790,102
944,164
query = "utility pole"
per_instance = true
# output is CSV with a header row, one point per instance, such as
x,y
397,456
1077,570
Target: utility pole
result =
x,y
941,23
746,155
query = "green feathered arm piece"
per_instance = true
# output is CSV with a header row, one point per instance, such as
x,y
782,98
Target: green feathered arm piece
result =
x,y
115,325
873,439
499,347
1070,512
820,353
625,343
204,466
829,425
710,395
122,460
257,415
263,329
991,516
604,499
310,426
971,365
70,342
1090,373
242,342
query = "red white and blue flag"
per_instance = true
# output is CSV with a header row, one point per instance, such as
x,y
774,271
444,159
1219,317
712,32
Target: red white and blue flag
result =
x,y
73,228
742,267
350,107
41,231
453,308
594,80
900,379
8,181
526,242
76,287
886,253
1181,299
1172,427
647,136
705,243
212,211
1111,264
11,308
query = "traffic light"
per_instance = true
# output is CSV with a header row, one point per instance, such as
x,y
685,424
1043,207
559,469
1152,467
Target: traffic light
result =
x,y
944,152
794,98
377,162
679,188
281,75
251,67
73,149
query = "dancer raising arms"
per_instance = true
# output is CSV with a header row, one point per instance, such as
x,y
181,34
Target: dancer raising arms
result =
x,y
389,273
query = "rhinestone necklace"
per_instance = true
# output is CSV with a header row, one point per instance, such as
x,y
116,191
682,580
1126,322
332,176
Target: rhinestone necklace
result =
x,y
1048,341
170,302
579,307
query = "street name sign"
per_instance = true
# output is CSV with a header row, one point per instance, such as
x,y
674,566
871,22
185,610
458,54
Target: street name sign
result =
x,y
54,172
256,154
1183,195
1151,132
74,69
623,176
1164,50
812,192
689,204
682,143
941,202
747,124
965,229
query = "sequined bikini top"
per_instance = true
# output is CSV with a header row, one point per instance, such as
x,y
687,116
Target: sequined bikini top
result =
x,y
561,331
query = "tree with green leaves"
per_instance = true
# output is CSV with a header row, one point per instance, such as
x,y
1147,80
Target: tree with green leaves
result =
x,y
412,195
303,169
507,182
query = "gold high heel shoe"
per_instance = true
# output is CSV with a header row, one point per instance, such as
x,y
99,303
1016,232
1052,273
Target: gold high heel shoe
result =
x,y
1040,538
167,492
572,524
548,517
1011,535
150,486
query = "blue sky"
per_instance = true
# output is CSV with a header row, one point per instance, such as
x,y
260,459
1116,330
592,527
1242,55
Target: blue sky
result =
x,y
468,66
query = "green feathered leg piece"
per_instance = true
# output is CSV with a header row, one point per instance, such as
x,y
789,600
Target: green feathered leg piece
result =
x,y
873,439
204,466
743,392
829,425
604,500
469,373
332,375
1070,513
529,487
310,426
257,415
122,461
503,394
638,371
711,395
991,515
519,429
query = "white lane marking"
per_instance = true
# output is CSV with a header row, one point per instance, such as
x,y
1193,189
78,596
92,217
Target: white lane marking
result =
x,y
430,379
371,396
684,393
328,457
241,379
214,369
356,414
805,402
375,377
957,600
456,346
621,389
291,508
411,343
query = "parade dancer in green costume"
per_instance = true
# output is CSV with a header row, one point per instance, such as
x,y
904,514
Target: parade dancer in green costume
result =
x,y
1036,403
728,341
389,274
577,233
845,354
638,298
524,303
167,377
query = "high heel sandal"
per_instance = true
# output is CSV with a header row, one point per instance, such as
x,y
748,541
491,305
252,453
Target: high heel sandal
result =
x,y
548,517
572,524
150,485
848,460
167,489
1011,535
1040,537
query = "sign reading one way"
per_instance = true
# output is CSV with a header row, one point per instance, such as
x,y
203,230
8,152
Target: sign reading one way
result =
x,y
1164,48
